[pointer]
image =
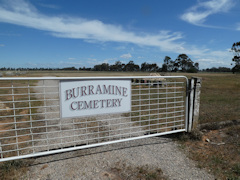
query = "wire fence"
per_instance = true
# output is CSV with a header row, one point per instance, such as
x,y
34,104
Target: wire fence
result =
x,y
31,123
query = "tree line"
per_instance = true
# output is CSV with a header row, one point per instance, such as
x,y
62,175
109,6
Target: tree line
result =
x,y
219,69
182,63
148,68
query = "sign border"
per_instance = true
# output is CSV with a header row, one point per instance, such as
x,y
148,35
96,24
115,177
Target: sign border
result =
x,y
60,99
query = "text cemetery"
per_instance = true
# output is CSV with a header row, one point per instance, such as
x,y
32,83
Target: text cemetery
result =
x,y
80,98
78,92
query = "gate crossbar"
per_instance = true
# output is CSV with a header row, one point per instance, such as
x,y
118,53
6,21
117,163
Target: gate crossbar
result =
x,y
31,124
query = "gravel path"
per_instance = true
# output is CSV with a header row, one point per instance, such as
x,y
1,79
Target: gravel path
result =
x,y
97,163
118,161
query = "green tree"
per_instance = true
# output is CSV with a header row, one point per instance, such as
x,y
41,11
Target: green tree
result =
x,y
236,58
101,67
130,66
185,64
118,66
144,66
149,67
168,64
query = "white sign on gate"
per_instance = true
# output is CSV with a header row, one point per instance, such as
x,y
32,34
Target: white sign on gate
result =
x,y
93,97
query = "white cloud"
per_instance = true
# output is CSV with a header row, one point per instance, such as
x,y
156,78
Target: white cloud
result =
x,y
208,63
214,59
71,58
91,62
92,59
120,48
21,13
60,64
51,6
67,64
110,60
126,56
2,45
198,14
238,26
205,60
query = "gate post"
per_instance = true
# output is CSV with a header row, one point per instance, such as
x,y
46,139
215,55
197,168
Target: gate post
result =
x,y
194,102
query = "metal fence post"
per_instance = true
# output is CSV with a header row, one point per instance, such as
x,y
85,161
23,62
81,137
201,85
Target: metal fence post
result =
x,y
194,102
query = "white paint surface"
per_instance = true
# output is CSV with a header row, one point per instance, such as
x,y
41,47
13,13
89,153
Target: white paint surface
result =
x,y
93,97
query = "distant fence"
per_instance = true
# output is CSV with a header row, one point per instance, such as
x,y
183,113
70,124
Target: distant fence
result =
x,y
40,116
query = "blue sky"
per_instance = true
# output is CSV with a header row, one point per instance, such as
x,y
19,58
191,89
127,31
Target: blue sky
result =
x,y
63,33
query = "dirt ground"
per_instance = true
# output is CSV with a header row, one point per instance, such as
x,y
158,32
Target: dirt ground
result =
x,y
213,148
153,158
218,150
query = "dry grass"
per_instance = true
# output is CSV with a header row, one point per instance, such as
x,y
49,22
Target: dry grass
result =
x,y
14,169
220,97
220,92
82,73
220,101
7,124
218,151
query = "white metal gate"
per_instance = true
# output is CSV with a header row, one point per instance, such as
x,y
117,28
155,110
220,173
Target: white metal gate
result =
x,y
31,124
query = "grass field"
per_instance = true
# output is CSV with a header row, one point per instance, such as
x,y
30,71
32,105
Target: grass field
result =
x,y
220,97
220,92
220,101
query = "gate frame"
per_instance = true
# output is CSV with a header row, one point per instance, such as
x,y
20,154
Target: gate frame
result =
x,y
188,110
194,91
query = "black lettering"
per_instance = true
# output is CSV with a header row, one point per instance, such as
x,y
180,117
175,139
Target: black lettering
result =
x,y
90,89
74,102
114,102
108,102
106,90
95,104
80,103
87,105
83,89
75,94
124,92
68,94
113,89
98,91
118,90
119,102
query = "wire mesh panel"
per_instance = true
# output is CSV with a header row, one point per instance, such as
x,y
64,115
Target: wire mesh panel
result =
x,y
31,123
